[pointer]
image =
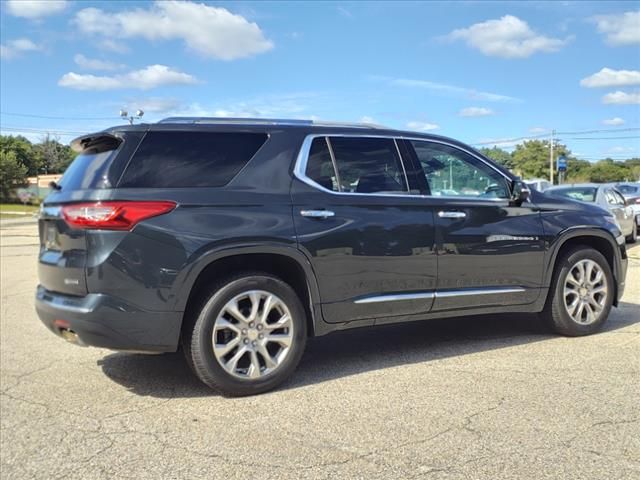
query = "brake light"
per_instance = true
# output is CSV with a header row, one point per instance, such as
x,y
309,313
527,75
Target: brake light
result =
x,y
113,215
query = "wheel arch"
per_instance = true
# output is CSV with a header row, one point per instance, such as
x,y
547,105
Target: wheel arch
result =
x,y
596,238
287,263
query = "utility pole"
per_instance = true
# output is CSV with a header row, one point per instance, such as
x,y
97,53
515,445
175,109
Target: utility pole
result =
x,y
553,134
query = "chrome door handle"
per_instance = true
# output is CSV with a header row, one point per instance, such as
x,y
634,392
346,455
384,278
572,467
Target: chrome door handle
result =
x,y
317,213
443,214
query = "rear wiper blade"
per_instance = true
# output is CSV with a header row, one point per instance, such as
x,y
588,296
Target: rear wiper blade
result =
x,y
53,185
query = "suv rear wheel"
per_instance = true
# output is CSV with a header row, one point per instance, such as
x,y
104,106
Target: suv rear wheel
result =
x,y
249,335
582,293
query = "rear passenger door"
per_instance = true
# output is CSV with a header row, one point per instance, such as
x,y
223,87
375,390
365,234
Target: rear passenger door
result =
x,y
364,225
490,250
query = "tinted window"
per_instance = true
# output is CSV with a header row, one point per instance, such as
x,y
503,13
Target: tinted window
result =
x,y
368,165
90,169
584,194
190,159
452,172
628,189
320,167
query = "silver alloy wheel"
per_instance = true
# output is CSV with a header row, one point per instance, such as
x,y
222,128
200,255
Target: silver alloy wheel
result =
x,y
585,292
253,334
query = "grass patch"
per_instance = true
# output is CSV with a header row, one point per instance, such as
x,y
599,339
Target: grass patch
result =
x,y
17,207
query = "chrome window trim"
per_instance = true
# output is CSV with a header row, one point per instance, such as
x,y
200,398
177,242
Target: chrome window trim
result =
x,y
327,141
404,170
300,167
394,297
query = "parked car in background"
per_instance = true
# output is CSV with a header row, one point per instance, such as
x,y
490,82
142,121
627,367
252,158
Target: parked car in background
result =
x,y
628,189
631,193
606,196
540,184
237,239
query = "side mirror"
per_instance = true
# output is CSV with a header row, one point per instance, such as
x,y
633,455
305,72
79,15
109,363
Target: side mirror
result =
x,y
519,192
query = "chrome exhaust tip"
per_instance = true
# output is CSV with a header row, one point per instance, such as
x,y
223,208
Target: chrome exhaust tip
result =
x,y
71,337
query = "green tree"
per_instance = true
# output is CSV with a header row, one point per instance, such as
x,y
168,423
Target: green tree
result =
x,y
531,159
608,170
499,155
55,157
24,152
12,174
634,167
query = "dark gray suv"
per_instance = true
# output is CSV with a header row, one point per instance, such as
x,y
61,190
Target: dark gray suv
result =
x,y
238,239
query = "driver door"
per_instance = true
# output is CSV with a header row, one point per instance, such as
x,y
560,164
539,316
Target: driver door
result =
x,y
490,251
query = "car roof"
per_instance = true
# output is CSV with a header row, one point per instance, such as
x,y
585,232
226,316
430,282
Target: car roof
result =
x,y
310,126
307,127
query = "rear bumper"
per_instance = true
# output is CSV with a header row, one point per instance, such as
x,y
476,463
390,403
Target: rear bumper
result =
x,y
104,321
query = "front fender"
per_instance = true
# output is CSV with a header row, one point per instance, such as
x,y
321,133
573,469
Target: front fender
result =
x,y
581,231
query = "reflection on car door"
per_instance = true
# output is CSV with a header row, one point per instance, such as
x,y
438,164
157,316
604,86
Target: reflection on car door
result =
x,y
490,251
368,237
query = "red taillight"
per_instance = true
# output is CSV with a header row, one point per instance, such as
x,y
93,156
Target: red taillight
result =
x,y
113,215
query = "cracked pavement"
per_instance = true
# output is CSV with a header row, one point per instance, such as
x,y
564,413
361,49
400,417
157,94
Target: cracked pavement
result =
x,y
465,398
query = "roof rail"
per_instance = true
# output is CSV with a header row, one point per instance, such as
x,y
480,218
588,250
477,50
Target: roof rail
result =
x,y
238,120
263,121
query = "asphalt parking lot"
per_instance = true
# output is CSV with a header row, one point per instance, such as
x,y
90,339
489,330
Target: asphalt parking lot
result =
x,y
494,397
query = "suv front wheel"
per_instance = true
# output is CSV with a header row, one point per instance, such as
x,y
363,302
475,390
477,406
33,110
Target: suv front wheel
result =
x,y
249,335
581,293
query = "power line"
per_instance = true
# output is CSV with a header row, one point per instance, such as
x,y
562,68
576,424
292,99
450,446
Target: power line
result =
x,y
52,117
37,130
502,141
602,138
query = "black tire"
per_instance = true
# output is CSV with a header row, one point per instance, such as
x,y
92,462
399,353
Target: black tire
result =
x,y
555,312
634,233
198,335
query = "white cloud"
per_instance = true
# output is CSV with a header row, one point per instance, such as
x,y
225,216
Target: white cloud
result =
x,y
153,104
622,98
211,31
147,78
114,46
292,105
33,9
619,28
422,126
538,130
367,119
507,37
608,77
476,112
619,149
613,121
469,93
14,48
95,64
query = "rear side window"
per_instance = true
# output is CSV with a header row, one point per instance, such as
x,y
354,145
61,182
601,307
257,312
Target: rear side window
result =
x,y
91,168
368,165
584,194
320,167
628,189
190,159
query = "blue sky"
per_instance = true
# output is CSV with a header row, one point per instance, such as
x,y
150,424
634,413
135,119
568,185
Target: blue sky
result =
x,y
477,71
